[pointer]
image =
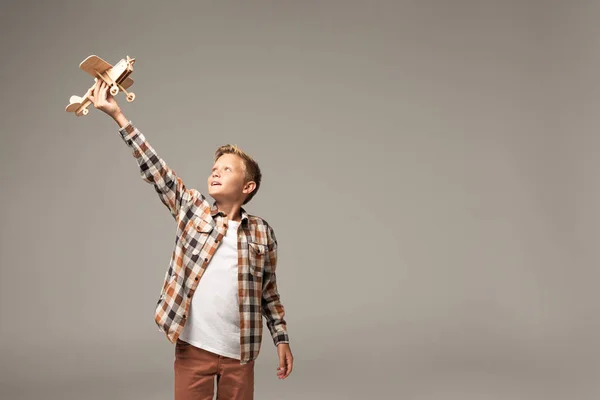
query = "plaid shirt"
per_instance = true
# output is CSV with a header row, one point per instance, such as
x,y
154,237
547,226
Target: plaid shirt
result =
x,y
200,229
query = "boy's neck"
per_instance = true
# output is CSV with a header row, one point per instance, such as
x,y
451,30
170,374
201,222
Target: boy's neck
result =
x,y
231,210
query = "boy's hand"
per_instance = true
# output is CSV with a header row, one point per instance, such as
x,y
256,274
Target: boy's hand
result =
x,y
103,100
286,360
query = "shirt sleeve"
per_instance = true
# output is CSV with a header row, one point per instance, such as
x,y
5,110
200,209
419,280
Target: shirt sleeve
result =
x,y
272,308
169,187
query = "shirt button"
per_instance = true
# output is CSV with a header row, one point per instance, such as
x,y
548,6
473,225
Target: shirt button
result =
x,y
196,278
206,260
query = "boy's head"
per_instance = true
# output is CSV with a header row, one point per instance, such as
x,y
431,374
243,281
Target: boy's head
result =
x,y
236,174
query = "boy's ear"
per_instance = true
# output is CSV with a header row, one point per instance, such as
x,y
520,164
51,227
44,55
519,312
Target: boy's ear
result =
x,y
250,186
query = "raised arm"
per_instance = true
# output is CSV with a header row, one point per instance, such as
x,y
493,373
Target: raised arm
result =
x,y
170,188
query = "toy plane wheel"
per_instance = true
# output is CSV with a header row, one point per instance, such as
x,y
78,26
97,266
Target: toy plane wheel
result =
x,y
85,111
130,97
114,90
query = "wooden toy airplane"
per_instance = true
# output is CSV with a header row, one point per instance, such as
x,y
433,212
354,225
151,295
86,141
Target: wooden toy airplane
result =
x,y
116,77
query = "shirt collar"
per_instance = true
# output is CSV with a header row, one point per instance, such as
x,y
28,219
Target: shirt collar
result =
x,y
215,211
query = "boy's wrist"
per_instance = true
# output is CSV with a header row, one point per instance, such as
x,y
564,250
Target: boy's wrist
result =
x,y
120,119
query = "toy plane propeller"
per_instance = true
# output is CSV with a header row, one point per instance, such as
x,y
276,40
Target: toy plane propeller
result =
x,y
116,77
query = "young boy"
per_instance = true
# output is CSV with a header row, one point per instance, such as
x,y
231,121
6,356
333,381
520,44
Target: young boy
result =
x,y
221,278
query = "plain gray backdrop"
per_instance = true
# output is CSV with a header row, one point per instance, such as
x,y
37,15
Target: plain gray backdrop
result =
x,y
429,168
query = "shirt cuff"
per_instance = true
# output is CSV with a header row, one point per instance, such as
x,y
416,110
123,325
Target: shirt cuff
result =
x,y
281,337
127,131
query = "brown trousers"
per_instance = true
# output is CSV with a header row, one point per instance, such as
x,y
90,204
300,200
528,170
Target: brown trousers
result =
x,y
195,371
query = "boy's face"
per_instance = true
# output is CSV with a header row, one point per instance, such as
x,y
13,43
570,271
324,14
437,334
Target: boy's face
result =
x,y
226,180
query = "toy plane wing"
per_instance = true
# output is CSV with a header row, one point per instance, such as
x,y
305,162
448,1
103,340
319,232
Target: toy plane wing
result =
x,y
93,64
127,82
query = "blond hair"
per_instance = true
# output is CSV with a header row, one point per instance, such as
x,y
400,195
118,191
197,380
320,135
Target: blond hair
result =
x,y
252,170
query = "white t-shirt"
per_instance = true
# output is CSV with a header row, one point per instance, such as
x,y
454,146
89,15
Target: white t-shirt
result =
x,y
214,319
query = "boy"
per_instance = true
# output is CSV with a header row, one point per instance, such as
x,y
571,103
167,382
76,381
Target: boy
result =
x,y
221,278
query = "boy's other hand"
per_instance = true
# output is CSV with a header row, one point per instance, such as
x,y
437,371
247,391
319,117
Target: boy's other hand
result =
x,y
286,360
103,100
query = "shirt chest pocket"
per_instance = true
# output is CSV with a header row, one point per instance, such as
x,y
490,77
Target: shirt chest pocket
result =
x,y
257,258
195,235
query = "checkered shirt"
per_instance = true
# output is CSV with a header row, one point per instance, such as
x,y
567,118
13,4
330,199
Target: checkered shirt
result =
x,y
200,229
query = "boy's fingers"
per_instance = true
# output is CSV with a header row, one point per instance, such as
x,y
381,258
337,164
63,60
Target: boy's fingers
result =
x,y
281,368
99,94
103,91
95,91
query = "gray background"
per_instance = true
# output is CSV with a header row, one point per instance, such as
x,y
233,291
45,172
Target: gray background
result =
x,y
429,169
